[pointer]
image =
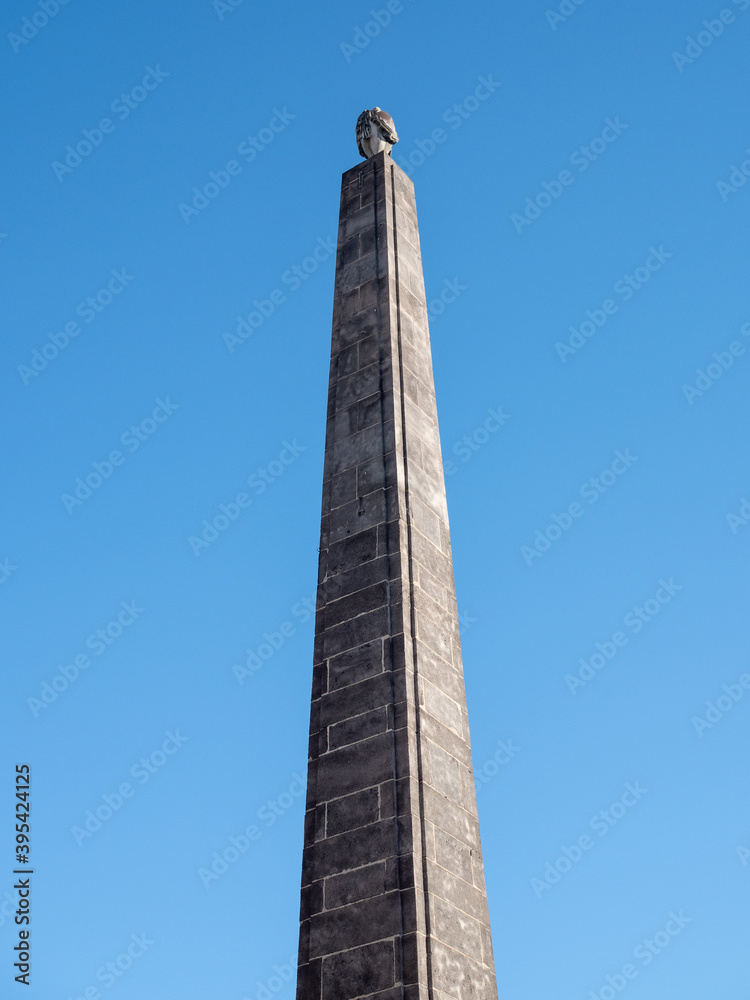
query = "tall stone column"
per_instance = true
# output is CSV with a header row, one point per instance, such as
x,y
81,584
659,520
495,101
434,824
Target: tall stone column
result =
x,y
393,895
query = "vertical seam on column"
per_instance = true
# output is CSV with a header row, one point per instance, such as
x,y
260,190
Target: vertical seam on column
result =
x,y
394,771
412,612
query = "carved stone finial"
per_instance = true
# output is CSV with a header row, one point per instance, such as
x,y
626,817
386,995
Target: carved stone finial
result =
x,y
375,132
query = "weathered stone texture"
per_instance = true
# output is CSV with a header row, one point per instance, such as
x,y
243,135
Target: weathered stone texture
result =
x,y
393,899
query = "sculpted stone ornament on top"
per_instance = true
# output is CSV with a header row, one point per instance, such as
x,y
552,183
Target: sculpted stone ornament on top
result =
x,y
375,133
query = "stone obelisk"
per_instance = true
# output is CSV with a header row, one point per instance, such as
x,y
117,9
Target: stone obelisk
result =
x,y
393,895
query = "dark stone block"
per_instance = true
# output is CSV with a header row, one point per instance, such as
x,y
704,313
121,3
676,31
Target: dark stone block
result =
x,y
320,821
343,488
367,599
368,195
359,728
355,767
360,327
309,981
369,351
374,237
369,294
359,385
319,681
363,270
388,800
369,411
407,871
376,473
364,883
355,665
344,424
358,221
317,744
364,696
350,582
350,850
348,305
353,633
358,923
352,204
310,822
358,447
359,971
311,900
362,513
352,551
347,252
352,812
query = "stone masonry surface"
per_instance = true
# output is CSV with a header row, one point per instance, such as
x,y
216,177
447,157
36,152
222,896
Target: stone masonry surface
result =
x,y
393,898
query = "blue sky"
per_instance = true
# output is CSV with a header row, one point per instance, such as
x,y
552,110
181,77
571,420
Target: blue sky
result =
x,y
588,220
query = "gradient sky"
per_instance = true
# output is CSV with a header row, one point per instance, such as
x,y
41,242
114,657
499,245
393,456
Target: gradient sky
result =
x,y
599,181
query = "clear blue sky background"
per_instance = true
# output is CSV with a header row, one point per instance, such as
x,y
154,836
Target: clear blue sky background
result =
x,y
225,76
